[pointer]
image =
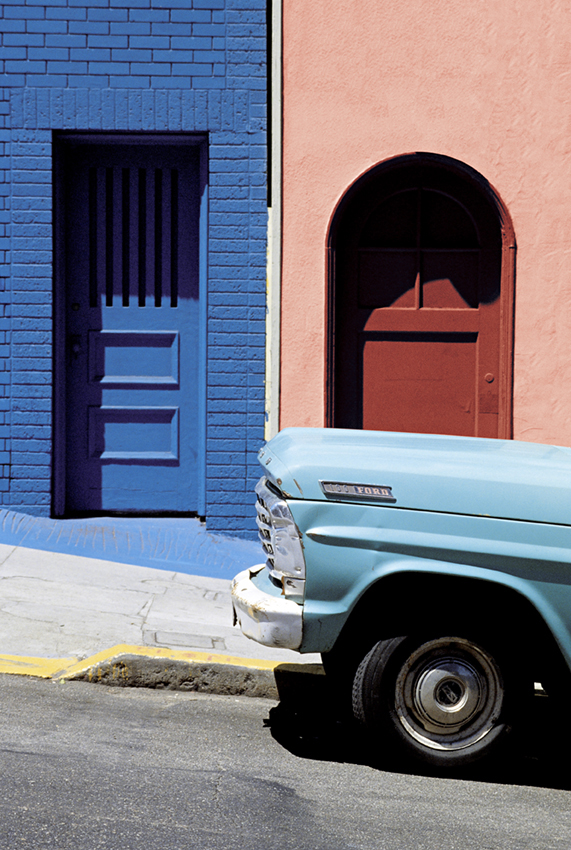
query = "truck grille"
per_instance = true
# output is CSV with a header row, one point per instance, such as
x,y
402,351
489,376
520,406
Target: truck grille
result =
x,y
264,523
278,534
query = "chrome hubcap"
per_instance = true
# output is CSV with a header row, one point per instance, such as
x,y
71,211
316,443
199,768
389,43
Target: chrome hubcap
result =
x,y
448,694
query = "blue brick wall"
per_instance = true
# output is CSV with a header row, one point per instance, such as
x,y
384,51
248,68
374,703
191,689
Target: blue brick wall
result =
x,y
142,65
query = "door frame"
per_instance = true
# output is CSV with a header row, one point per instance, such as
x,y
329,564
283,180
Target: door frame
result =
x,y
507,273
59,141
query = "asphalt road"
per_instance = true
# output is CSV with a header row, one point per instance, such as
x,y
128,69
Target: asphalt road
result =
x,y
87,767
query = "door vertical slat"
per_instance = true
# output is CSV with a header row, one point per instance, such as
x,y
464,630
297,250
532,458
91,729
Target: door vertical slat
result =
x,y
117,237
166,215
133,237
109,216
101,254
158,237
92,235
150,208
142,241
125,235
187,247
174,238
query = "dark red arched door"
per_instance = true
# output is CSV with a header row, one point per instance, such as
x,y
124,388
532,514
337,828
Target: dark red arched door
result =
x,y
418,323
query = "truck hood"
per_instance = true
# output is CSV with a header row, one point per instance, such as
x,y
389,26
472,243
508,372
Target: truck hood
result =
x,y
459,475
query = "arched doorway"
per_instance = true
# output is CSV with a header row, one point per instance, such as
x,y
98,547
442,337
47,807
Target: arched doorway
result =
x,y
421,302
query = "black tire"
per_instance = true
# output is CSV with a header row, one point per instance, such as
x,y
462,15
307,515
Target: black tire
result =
x,y
441,701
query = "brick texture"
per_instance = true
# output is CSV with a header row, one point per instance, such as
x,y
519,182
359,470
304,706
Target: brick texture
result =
x,y
147,65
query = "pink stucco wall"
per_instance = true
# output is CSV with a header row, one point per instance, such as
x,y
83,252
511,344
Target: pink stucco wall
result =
x,y
485,83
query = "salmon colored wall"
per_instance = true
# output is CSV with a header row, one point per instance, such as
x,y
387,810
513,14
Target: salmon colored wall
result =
x,y
485,83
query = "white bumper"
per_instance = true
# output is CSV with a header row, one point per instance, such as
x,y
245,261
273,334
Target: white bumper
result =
x,y
270,620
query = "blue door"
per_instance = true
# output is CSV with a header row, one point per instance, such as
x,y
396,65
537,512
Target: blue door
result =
x,y
131,270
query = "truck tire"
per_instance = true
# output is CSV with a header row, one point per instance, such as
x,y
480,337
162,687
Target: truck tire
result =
x,y
441,701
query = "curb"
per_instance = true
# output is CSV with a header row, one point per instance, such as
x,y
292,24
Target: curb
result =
x,y
147,667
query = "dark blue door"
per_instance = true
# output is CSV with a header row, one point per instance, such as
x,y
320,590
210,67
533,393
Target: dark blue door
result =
x,y
132,326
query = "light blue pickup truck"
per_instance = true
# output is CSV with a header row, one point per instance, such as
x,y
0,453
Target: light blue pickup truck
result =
x,y
433,573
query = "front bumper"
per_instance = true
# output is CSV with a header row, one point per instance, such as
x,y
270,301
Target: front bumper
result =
x,y
270,620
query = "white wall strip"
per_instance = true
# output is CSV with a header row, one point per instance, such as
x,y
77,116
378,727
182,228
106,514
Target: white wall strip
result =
x,y
273,289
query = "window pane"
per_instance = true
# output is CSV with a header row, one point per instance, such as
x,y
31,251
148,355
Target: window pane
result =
x,y
445,223
386,278
393,224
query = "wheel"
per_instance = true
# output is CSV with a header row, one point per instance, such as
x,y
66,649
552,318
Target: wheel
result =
x,y
440,700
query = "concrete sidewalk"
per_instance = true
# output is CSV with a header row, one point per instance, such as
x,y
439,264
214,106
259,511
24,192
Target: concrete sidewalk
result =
x,y
64,615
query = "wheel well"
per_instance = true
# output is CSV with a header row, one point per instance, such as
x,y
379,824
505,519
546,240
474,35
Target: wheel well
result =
x,y
408,603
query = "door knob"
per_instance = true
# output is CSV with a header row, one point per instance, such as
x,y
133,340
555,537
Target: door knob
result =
x,y
75,345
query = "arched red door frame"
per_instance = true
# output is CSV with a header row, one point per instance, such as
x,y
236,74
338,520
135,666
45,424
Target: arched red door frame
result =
x,y
507,274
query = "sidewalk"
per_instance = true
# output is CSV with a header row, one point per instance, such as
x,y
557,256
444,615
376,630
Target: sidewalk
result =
x,y
83,607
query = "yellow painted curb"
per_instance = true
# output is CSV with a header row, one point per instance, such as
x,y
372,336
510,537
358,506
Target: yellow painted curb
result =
x,y
45,668
68,668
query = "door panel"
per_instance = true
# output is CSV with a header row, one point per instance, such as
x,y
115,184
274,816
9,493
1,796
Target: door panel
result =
x,y
421,383
132,326
128,357
146,434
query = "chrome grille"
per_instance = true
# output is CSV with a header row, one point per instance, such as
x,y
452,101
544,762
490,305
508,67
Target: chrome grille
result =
x,y
264,523
278,534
